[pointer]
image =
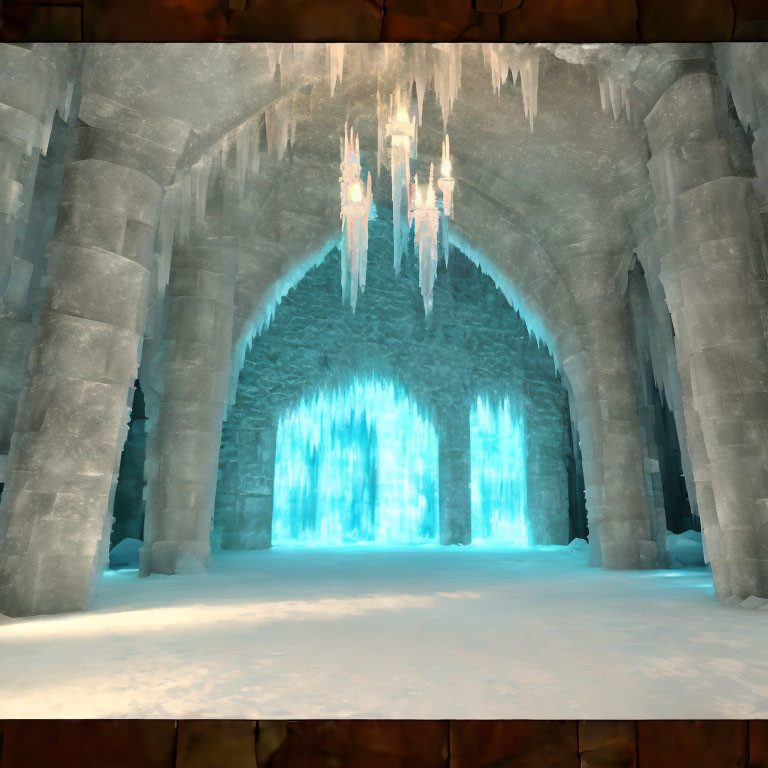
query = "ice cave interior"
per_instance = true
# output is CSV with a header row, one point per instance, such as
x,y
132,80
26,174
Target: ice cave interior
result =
x,y
432,331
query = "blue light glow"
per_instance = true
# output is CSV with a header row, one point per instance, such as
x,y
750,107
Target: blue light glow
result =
x,y
356,465
499,504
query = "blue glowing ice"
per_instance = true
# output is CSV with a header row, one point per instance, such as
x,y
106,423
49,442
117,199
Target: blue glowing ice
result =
x,y
356,465
497,437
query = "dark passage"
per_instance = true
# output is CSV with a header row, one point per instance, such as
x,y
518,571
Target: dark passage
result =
x,y
129,505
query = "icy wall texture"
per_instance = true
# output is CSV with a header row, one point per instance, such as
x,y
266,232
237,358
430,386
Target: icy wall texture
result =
x,y
475,344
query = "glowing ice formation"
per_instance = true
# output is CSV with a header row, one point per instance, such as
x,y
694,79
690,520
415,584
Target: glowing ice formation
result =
x,y
499,505
356,465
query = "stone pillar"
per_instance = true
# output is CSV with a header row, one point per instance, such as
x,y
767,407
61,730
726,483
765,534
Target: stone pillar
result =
x,y
648,374
545,454
697,449
244,495
454,474
55,514
597,359
183,447
713,272
672,371
27,106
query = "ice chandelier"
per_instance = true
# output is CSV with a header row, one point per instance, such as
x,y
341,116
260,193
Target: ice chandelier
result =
x,y
401,129
428,220
355,210
426,217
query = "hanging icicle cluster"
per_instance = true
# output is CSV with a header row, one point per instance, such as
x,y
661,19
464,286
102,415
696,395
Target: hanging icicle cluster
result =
x,y
522,61
355,210
189,190
614,93
438,64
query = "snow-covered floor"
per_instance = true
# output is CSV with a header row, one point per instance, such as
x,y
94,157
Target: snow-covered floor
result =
x,y
412,633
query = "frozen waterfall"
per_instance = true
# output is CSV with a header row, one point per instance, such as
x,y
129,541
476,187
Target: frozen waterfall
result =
x,y
499,504
356,465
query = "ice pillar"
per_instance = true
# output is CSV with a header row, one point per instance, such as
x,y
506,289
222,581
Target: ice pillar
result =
x,y
26,107
55,516
454,474
714,276
599,365
183,446
244,495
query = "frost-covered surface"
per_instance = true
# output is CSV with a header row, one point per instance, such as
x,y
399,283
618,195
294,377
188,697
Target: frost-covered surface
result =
x,y
426,633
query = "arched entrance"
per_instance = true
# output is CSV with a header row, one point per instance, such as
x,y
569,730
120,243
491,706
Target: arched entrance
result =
x,y
474,346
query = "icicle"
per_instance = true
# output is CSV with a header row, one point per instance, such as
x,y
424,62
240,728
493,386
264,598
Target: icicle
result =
x,y
185,207
529,82
200,172
242,147
615,95
275,56
426,218
447,77
363,265
625,97
602,80
278,126
420,76
355,211
401,129
336,59
65,102
500,59
446,184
